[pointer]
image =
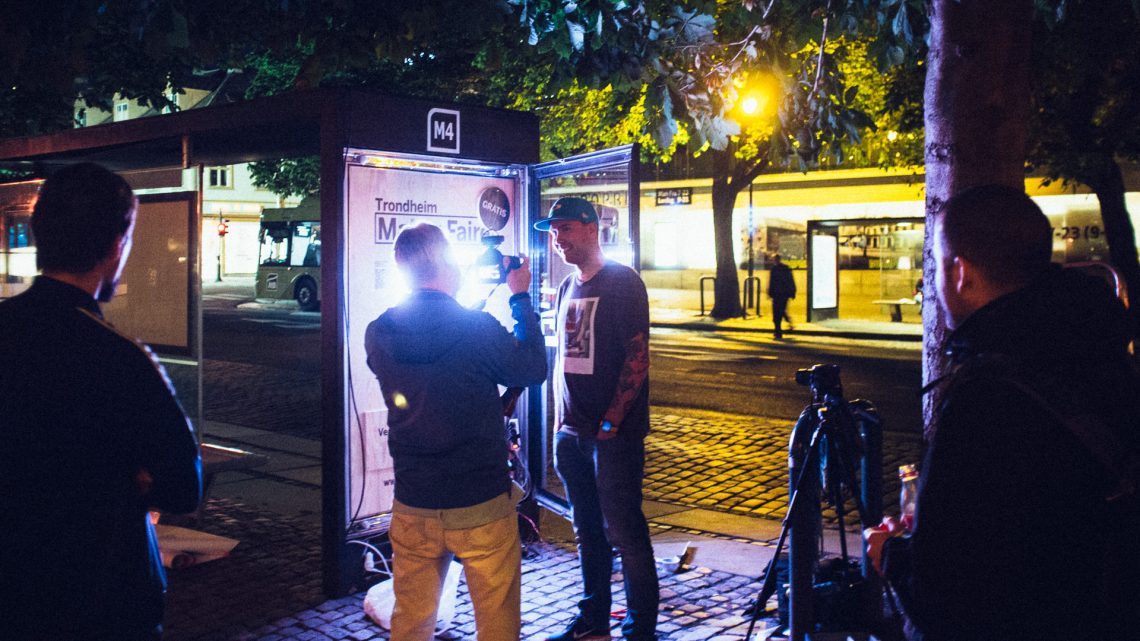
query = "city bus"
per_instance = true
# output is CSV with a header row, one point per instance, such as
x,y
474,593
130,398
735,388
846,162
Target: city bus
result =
x,y
289,258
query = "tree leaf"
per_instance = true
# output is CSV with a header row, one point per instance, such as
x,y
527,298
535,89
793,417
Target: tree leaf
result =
x,y
577,35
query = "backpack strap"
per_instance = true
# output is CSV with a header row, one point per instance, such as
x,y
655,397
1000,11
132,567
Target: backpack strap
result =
x,y
1097,437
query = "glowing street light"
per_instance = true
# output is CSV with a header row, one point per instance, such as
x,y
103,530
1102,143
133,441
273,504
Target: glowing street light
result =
x,y
754,92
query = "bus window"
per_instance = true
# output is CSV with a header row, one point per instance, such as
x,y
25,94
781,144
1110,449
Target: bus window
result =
x,y
274,243
306,244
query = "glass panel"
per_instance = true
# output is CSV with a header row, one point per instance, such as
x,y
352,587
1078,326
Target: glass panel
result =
x,y
608,188
153,299
306,245
900,270
17,247
880,266
477,207
274,243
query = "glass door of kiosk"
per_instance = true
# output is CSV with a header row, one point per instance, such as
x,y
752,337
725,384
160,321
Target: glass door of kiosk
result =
x,y
608,179
480,208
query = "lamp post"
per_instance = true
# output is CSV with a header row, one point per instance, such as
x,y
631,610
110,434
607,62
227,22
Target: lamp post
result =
x,y
751,106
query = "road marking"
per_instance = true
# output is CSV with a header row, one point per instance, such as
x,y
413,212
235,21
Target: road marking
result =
x,y
703,356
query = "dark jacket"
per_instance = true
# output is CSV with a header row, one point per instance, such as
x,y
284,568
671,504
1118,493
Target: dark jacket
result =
x,y
780,282
1011,520
439,366
82,410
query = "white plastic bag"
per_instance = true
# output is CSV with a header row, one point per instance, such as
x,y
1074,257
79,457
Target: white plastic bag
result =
x,y
381,599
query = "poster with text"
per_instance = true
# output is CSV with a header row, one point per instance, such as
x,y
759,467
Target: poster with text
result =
x,y
471,210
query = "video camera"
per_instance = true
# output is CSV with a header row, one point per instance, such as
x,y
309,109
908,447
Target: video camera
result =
x,y
492,266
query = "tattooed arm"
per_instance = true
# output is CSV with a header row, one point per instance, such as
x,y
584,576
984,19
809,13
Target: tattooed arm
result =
x,y
634,371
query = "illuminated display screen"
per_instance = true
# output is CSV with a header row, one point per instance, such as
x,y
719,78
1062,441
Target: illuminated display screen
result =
x,y
824,283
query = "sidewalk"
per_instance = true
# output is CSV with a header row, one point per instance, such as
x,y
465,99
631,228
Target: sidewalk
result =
x,y
715,481
681,309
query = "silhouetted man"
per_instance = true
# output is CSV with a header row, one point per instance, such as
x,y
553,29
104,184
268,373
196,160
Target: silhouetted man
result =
x,y
781,288
440,366
1012,524
91,436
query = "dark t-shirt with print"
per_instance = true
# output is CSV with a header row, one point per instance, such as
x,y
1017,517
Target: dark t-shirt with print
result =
x,y
596,321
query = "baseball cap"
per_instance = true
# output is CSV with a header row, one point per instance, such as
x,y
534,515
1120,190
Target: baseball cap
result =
x,y
569,208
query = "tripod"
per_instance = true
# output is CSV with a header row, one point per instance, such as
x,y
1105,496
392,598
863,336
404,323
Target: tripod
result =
x,y
830,435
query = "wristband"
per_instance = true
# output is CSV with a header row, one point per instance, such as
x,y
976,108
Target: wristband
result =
x,y
606,427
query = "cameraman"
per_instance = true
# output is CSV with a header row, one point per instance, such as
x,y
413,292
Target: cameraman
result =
x,y
439,366
1012,531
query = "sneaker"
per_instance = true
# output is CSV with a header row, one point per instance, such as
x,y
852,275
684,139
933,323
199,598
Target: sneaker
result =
x,y
578,630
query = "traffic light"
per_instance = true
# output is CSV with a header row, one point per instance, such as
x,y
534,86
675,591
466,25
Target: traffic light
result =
x,y
223,227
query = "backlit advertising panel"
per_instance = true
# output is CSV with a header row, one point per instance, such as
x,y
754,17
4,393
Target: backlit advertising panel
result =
x,y
383,196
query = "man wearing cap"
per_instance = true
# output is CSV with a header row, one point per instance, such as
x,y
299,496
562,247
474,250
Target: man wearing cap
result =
x,y
602,416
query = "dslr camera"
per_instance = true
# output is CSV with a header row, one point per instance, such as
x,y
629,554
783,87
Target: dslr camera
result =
x,y
822,379
492,266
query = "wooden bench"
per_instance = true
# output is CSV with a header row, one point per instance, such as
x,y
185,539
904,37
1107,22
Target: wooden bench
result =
x,y
216,459
896,307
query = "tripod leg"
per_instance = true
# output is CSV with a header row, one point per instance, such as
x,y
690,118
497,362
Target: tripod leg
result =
x,y
840,515
805,449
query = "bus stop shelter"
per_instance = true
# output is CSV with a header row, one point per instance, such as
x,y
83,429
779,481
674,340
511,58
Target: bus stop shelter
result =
x,y
385,163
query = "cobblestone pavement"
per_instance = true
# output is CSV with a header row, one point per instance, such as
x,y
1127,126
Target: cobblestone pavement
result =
x,y
697,458
285,401
269,589
739,464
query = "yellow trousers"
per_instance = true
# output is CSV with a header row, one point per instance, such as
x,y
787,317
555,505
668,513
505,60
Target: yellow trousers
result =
x,y
491,557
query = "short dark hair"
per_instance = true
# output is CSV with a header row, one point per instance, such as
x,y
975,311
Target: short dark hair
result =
x,y
1000,230
421,250
80,211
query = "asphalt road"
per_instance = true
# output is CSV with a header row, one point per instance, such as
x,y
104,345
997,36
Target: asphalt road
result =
x,y
737,373
754,375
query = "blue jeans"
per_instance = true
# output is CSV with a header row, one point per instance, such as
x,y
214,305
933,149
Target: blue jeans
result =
x,y
603,484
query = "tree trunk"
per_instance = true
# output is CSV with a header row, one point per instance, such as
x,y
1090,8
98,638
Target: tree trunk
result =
x,y
1120,235
724,192
977,106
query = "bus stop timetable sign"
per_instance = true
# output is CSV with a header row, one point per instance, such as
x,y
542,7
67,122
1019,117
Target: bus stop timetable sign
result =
x,y
443,130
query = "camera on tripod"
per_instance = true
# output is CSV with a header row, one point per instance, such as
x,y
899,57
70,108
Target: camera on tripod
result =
x,y
492,266
835,457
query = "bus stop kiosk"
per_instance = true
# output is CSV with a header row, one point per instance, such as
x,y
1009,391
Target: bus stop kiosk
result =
x,y
385,163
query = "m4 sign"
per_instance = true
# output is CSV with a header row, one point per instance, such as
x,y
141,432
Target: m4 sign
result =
x,y
443,130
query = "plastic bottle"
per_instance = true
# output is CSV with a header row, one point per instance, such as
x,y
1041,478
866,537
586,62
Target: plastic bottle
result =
x,y
908,495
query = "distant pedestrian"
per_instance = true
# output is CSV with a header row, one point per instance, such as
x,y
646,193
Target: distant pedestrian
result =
x,y
440,366
1013,535
91,436
601,403
781,289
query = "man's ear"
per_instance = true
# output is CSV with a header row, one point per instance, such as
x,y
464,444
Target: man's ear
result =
x,y
968,280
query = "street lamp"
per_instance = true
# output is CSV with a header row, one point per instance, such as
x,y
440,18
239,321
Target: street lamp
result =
x,y
753,93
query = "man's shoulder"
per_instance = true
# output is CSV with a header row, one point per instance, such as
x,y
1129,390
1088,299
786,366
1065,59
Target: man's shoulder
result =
x,y
118,344
623,276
